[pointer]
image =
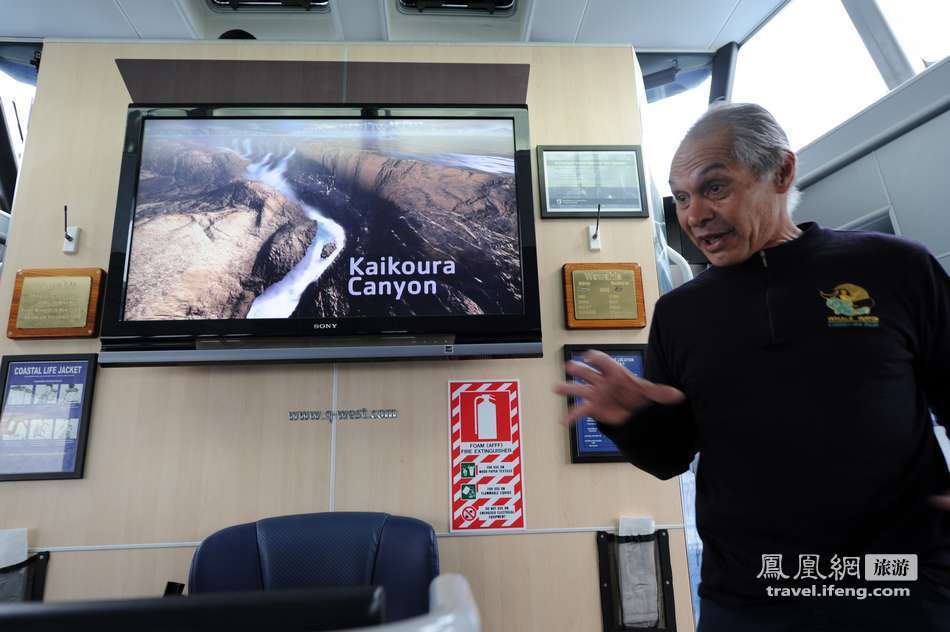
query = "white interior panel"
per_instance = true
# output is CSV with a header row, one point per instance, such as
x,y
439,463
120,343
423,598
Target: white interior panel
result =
x,y
656,24
63,18
915,168
848,194
746,18
556,20
362,20
156,20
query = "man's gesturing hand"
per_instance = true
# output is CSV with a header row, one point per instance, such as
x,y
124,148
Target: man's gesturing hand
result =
x,y
612,393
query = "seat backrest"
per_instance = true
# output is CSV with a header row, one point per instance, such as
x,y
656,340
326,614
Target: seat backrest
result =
x,y
323,550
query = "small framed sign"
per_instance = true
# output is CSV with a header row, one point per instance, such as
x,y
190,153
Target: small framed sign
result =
x,y
45,415
576,179
588,443
55,303
603,296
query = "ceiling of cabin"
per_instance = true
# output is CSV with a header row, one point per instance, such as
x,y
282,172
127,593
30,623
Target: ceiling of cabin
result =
x,y
647,25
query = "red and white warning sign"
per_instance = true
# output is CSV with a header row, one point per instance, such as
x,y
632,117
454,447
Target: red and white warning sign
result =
x,y
485,444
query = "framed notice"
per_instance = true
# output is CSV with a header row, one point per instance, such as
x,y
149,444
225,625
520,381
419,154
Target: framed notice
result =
x,y
603,296
576,179
588,443
55,303
486,480
45,415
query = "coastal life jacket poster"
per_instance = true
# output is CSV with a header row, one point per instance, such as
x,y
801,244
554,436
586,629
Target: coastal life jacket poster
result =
x,y
485,449
42,424
324,218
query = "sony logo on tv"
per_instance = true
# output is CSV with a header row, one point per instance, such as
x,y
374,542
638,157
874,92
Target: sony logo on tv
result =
x,y
325,325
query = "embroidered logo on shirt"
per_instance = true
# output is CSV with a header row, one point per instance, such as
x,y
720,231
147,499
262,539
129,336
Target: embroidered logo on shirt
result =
x,y
851,305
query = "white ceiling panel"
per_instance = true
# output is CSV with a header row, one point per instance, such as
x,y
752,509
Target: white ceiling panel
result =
x,y
362,20
157,20
63,18
556,20
647,25
656,24
747,17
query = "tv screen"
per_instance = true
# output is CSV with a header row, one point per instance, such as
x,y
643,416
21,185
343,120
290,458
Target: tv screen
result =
x,y
234,222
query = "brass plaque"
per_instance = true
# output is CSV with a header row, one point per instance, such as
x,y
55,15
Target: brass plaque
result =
x,y
54,302
605,295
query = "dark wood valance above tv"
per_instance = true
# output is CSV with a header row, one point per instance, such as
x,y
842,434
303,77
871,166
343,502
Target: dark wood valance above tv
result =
x,y
191,81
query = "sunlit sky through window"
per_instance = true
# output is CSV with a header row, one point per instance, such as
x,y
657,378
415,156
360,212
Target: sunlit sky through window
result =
x,y
20,93
665,124
809,68
921,28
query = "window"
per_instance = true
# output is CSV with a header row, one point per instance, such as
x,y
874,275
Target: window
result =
x,y
921,28
665,123
809,68
17,87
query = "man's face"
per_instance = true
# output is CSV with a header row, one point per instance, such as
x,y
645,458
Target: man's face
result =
x,y
727,211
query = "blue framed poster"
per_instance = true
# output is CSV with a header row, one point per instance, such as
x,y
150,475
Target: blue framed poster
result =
x,y
588,443
45,415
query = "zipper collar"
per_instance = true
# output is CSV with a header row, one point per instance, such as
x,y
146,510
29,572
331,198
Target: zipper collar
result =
x,y
812,234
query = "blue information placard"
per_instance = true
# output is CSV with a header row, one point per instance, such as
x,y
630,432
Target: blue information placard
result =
x,y
588,443
45,415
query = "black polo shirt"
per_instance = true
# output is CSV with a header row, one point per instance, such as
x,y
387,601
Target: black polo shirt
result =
x,y
810,372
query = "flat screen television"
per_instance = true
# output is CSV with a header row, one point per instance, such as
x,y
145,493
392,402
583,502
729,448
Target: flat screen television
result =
x,y
322,233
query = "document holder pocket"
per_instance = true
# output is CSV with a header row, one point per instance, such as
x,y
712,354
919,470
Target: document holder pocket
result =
x,y
24,581
636,582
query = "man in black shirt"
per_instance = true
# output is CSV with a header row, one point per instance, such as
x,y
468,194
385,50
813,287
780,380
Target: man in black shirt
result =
x,y
803,367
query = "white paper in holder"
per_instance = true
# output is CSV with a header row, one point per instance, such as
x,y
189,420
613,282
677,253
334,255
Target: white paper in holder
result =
x,y
13,548
639,593
636,526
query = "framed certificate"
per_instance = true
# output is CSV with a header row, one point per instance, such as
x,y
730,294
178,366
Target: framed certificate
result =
x,y
588,443
45,415
576,179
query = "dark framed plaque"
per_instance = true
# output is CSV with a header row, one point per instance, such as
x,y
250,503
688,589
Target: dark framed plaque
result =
x,y
55,303
603,296
588,443
574,180
44,421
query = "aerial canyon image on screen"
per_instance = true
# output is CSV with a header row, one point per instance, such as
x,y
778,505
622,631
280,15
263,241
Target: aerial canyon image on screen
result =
x,y
324,218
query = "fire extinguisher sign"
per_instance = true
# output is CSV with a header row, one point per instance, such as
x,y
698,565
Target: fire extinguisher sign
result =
x,y
485,447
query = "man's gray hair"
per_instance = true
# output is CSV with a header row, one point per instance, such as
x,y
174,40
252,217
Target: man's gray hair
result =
x,y
758,141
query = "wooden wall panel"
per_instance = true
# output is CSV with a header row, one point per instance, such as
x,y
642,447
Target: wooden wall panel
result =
x,y
402,466
545,581
115,574
176,452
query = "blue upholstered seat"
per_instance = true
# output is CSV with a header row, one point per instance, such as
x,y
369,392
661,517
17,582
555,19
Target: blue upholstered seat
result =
x,y
323,550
